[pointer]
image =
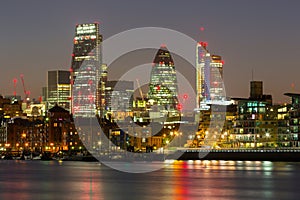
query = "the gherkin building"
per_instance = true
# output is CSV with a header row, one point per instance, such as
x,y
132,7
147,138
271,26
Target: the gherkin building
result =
x,y
163,89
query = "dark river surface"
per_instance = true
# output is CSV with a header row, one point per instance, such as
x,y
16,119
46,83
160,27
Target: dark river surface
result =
x,y
180,180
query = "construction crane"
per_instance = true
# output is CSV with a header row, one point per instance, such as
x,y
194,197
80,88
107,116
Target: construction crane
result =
x,y
140,90
26,93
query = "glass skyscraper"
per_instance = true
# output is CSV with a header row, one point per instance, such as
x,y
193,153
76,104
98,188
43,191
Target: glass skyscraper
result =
x,y
85,69
209,77
59,89
163,89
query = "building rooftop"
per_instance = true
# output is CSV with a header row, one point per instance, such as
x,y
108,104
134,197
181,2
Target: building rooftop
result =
x,y
57,108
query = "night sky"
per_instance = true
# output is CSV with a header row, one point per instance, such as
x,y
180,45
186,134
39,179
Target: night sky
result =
x,y
262,36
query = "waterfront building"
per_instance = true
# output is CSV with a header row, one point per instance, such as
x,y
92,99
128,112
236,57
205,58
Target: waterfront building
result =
x,y
85,70
24,134
163,89
62,134
209,77
59,89
294,119
256,122
284,136
215,125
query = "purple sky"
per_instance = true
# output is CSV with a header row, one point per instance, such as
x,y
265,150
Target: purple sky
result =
x,y
36,36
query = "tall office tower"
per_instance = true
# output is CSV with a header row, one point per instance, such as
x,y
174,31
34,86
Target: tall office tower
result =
x,y
59,89
209,77
163,89
85,69
119,96
102,85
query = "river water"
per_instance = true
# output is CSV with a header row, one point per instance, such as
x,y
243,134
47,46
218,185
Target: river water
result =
x,y
180,180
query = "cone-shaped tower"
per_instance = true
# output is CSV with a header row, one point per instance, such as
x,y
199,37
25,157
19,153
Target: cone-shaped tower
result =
x,y
163,88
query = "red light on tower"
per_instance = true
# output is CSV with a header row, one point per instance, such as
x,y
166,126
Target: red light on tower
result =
x,y
204,44
179,106
91,98
202,28
223,62
163,45
185,96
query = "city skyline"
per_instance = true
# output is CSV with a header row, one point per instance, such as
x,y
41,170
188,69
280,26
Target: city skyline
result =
x,y
40,41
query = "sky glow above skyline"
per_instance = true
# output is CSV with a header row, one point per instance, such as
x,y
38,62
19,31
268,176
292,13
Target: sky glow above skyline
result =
x,y
262,36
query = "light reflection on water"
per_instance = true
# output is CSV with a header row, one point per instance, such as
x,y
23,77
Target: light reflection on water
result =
x,y
179,180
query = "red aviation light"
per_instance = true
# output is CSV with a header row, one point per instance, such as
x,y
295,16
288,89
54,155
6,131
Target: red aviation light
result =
x,y
223,62
91,98
179,106
185,96
73,54
202,28
163,46
204,44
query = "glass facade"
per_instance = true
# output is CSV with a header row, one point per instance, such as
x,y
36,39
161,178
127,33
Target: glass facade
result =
x,y
59,89
85,69
163,89
209,77
119,96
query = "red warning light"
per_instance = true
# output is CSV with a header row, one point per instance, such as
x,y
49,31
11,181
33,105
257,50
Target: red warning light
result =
x,y
163,45
185,96
202,28
223,62
204,44
179,106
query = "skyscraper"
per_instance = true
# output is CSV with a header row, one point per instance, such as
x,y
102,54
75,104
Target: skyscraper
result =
x,y
209,77
85,69
119,96
163,89
102,86
59,89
